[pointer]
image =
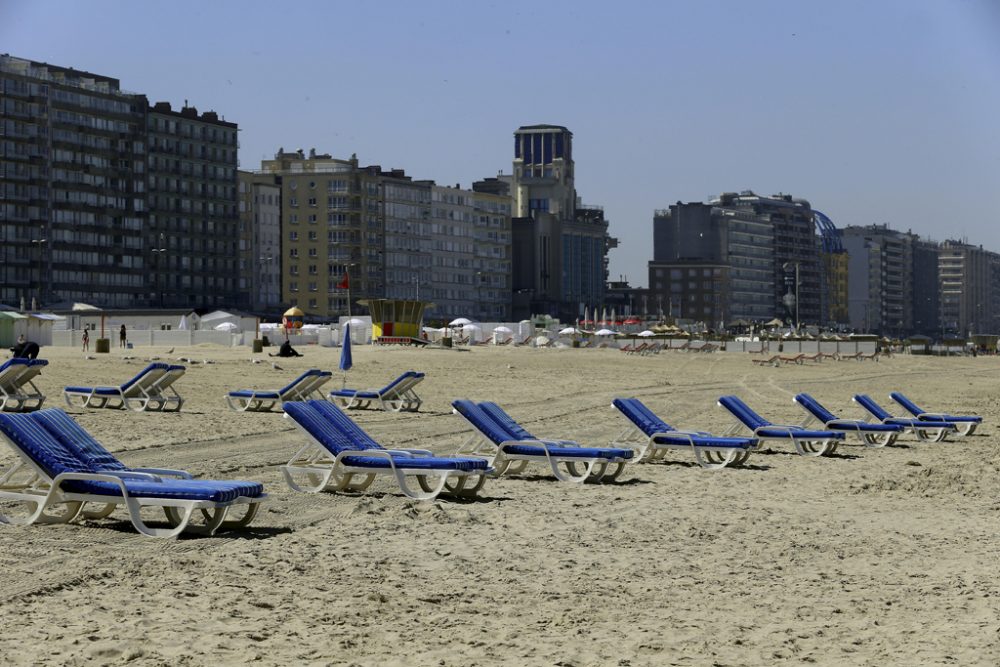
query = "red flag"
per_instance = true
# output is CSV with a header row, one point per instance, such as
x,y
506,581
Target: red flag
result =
x,y
345,283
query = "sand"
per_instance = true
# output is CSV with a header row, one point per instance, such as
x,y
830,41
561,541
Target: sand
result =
x,y
869,557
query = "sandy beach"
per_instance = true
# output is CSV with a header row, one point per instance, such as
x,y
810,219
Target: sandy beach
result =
x,y
872,556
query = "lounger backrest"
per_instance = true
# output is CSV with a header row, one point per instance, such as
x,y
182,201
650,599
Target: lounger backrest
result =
x,y
871,406
147,376
317,426
76,439
500,416
814,408
402,383
12,370
907,404
40,446
641,416
481,421
307,376
347,426
742,411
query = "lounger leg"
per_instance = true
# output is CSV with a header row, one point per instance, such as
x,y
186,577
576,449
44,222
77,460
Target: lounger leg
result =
x,y
135,515
318,480
245,520
571,469
101,513
423,481
714,460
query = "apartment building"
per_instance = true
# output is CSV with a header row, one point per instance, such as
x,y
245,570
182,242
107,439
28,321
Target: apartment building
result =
x,y
72,187
109,201
259,242
969,291
193,219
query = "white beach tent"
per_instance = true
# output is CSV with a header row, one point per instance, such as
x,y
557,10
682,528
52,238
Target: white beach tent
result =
x,y
459,322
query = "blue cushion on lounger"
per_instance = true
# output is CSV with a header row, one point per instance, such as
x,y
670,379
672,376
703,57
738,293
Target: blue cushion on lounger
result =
x,y
801,434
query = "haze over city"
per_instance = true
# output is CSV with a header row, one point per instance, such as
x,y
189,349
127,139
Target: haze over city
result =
x,y
874,112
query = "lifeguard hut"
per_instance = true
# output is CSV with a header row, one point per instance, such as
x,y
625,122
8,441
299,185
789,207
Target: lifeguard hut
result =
x,y
397,321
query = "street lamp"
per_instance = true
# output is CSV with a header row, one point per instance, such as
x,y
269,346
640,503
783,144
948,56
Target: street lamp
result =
x,y
158,254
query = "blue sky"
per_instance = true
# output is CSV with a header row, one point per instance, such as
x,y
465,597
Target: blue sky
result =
x,y
883,111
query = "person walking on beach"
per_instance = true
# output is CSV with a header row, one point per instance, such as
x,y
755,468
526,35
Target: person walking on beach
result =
x,y
122,336
86,340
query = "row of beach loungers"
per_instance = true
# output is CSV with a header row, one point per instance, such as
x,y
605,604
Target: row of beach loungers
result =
x,y
62,467
817,357
152,389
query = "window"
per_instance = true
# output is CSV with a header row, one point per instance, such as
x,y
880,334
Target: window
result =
x,y
293,286
293,236
312,202
293,202
312,219
294,219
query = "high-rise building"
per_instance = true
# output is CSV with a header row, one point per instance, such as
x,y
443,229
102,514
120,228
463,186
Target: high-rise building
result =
x,y
260,242
331,232
969,292
72,187
926,288
394,237
110,201
193,219
884,303
738,257
560,245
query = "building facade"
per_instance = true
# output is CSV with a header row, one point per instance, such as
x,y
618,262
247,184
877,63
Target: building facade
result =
x,y
109,201
259,242
72,180
193,219
561,247
969,292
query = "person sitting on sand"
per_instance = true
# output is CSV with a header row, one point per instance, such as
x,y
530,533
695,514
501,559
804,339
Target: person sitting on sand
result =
x,y
25,349
286,350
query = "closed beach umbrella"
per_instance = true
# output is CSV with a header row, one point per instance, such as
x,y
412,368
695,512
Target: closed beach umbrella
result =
x,y
345,350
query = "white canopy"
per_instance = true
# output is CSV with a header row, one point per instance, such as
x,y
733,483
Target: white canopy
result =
x,y
355,322
568,331
460,322
226,326
646,333
503,329
606,332
471,327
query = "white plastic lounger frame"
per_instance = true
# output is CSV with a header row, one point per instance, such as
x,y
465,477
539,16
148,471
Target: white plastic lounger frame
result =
x,y
578,469
806,442
314,469
305,387
400,396
15,375
153,391
27,483
647,448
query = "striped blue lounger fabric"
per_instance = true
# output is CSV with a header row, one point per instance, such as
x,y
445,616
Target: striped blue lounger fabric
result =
x,y
396,396
966,423
934,431
806,442
510,448
302,388
872,435
653,438
61,466
17,387
151,389
340,456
